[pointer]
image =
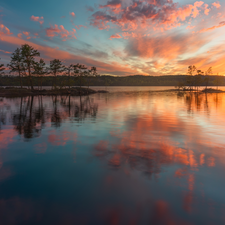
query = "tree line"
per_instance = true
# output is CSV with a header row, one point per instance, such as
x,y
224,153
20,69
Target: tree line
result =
x,y
23,61
32,72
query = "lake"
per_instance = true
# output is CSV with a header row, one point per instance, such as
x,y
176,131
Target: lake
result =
x,y
129,156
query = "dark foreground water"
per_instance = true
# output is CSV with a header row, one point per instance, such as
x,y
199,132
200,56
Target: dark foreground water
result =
x,y
119,158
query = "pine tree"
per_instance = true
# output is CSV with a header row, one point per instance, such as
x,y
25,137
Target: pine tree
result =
x,y
56,67
1,68
16,64
28,55
69,70
40,70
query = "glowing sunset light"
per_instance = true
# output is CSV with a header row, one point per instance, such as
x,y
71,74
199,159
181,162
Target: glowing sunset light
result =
x,y
156,37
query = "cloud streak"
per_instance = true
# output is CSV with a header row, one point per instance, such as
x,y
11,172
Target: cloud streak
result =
x,y
221,24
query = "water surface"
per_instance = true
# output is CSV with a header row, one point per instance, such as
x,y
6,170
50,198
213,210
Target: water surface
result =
x,y
118,158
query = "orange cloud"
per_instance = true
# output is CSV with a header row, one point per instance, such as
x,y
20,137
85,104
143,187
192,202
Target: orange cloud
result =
x,y
4,30
114,5
26,33
115,36
72,14
19,35
172,47
37,19
207,10
216,4
60,30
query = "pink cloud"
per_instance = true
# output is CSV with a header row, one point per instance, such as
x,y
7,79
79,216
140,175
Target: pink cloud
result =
x,y
145,14
114,5
28,38
60,31
126,35
19,35
115,36
72,14
4,30
216,4
26,33
207,10
37,19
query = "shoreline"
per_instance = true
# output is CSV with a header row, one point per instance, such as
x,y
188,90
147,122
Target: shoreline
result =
x,y
21,92
77,91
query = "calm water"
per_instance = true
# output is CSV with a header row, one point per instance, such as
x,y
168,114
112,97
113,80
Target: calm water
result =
x,y
118,158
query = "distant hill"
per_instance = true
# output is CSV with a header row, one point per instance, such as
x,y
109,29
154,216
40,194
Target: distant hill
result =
x,y
137,80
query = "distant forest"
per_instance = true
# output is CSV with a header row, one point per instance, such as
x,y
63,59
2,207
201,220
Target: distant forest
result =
x,y
137,80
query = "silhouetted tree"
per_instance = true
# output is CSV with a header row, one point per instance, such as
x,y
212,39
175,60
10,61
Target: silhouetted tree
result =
x,y
40,71
69,69
91,73
198,79
218,81
180,85
16,64
207,73
190,78
56,67
79,71
1,68
28,55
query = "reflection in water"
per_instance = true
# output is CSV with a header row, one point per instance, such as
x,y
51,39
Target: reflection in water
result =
x,y
200,101
120,158
30,115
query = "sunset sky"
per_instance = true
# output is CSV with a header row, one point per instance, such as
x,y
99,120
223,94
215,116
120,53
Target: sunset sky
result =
x,y
119,37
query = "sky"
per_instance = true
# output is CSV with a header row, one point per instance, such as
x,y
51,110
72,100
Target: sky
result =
x,y
119,37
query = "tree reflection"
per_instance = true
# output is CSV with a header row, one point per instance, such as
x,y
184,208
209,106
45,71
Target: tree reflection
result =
x,y
26,119
81,109
31,116
2,118
196,102
55,117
